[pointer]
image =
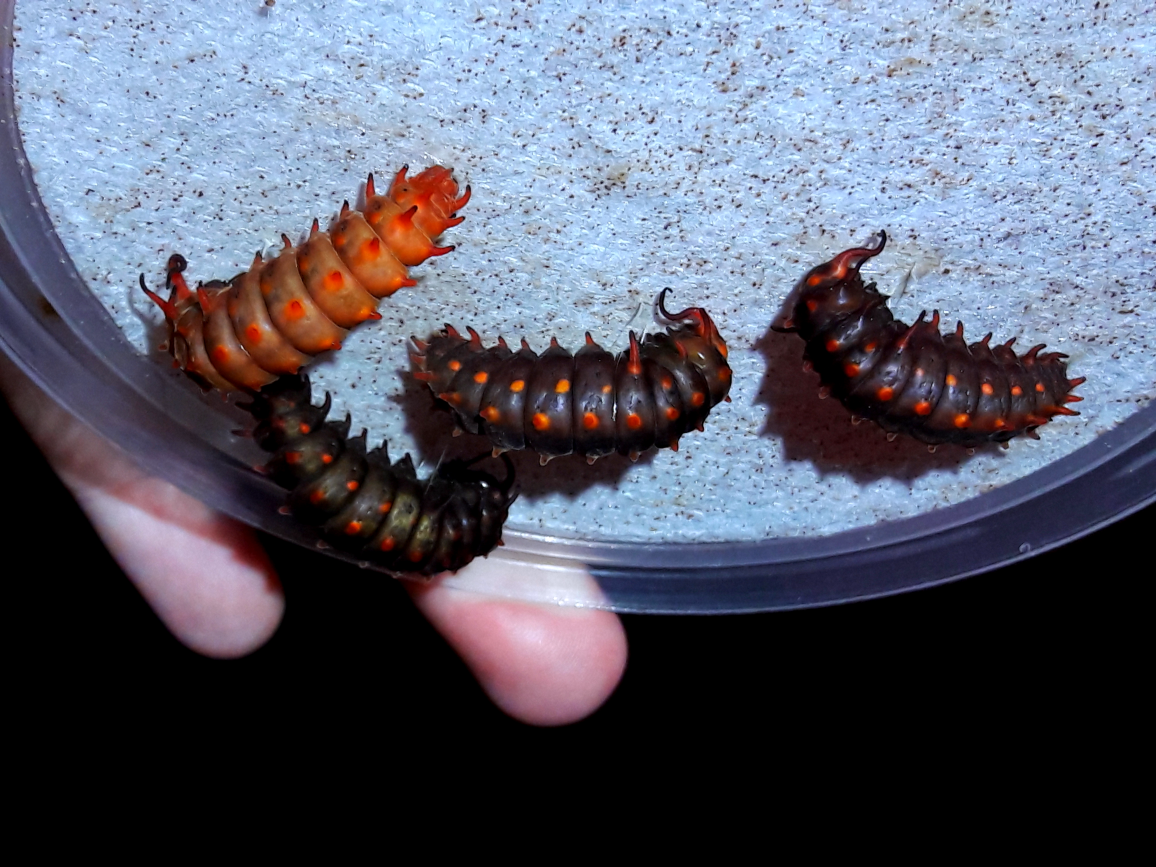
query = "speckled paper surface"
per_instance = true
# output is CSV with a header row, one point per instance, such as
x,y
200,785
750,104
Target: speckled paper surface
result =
x,y
613,150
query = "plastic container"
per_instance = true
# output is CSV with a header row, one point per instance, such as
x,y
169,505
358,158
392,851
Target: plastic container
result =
x,y
55,330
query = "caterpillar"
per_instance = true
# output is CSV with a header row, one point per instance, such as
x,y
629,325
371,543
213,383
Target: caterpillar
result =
x,y
272,319
910,379
361,502
591,402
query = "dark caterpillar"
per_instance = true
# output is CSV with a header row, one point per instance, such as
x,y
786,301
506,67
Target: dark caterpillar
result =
x,y
273,318
362,503
910,378
591,403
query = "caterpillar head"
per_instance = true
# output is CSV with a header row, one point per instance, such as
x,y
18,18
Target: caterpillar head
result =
x,y
697,320
434,193
828,291
489,496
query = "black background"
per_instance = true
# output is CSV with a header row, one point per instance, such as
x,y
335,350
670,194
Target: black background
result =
x,y
1022,650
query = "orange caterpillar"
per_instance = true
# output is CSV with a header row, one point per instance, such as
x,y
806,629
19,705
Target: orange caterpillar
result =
x,y
272,319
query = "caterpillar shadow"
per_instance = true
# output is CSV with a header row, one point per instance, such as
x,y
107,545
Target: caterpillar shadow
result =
x,y
821,431
431,424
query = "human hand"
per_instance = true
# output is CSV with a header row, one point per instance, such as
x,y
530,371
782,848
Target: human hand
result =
x,y
210,582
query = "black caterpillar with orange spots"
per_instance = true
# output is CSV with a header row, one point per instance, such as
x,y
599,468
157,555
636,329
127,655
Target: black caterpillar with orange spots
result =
x,y
589,403
362,503
911,379
272,319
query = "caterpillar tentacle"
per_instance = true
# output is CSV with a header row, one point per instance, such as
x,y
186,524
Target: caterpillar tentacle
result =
x,y
912,379
362,502
590,402
275,317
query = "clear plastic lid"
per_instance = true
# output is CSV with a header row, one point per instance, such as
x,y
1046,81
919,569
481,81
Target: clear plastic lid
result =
x,y
664,536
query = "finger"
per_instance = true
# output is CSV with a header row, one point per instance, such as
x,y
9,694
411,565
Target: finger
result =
x,y
542,664
205,576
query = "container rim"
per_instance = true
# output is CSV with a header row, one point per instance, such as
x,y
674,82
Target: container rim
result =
x,y
54,329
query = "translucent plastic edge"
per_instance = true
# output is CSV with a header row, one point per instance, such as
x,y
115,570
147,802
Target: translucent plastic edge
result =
x,y
59,335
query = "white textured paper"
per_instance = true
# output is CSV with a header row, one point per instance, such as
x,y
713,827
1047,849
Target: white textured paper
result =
x,y
616,149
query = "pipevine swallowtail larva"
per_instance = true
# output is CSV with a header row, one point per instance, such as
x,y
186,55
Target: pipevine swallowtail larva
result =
x,y
365,504
910,379
275,317
590,403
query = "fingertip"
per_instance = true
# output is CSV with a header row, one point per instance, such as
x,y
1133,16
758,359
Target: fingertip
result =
x,y
206,576
543,664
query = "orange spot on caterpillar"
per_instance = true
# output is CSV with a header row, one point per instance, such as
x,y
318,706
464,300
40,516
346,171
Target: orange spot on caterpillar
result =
x,y
540,421
923,408
1016,391
353,528
812,305
562,387
851,369
951,381
606,389
385,507
293,457
672,413
480,377
220,354
388,543
491,414
253,333
352,485
326,459
634,421
317,497
294,309
415,556
334,281
517,385
885,393
305,427
870,347
987,388
1040,387
962,420
455,365
589,421
832,345
697,398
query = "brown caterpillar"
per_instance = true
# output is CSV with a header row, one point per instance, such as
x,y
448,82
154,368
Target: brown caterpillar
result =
x,y
590,403
272,319
910,378
363,503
